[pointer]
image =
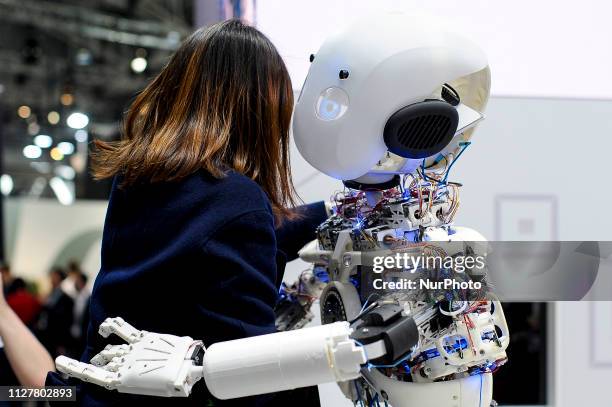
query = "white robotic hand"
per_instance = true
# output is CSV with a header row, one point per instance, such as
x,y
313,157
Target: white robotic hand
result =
x,y
150,364
168,366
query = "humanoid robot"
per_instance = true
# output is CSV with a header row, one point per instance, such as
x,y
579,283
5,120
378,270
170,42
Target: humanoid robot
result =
x,y
388,106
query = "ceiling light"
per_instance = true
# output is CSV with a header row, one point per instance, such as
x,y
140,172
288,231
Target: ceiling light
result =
x,y
53,117
66,148
138,64
56,154
43,141
32,152
6,184
24,111
80,136
77,120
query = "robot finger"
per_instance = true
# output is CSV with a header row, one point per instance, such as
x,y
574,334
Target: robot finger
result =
x,y
120,328
87,373
114,365
109,353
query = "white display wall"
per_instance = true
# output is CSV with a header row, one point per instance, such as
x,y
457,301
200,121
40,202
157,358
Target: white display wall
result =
x,y
42,233
543,48
534,160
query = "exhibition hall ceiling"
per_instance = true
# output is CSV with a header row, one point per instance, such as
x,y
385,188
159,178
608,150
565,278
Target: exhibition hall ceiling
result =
x,y
58,58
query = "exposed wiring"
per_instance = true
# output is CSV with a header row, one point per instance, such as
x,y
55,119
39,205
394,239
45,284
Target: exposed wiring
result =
x,y
450,312
366,302
371,366
364,311
358,393
399,362
469,325
465,145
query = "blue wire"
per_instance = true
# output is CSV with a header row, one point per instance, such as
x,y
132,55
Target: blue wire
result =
x,y
425,177
377,366
465,145
355,382
393,365
365,304
374,399
382,366
358,394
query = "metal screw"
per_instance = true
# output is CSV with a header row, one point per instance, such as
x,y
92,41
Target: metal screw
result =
x,y
343,74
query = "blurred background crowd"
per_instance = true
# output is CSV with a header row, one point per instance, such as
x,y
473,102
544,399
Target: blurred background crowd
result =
x,y
58,318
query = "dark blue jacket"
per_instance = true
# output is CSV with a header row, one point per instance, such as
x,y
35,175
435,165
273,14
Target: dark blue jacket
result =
x,y
198,257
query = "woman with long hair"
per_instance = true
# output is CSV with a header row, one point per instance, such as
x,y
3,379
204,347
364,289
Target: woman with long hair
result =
x,y
201,218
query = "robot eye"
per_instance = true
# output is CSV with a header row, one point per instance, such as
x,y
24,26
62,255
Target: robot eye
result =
x,y
332,104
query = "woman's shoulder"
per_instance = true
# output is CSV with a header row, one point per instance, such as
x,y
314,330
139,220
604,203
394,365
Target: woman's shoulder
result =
x,y
231,203
198,198
233,191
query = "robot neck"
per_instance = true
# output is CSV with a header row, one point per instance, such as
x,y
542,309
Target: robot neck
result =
x,y
363,185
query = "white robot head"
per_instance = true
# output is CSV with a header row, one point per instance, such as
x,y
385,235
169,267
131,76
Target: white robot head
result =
x,y
386,93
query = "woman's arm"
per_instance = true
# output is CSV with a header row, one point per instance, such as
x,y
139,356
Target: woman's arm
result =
x,y
239,285
28,357
292,235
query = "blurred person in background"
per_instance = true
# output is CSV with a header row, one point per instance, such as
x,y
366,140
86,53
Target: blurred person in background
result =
x,y
20,299
23,359
23,302
7,278
80,314
73,273
56,317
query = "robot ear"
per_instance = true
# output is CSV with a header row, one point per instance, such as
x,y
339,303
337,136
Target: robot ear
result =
x,y
422,129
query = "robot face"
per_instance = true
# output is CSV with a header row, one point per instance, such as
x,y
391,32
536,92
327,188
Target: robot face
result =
x,y
387,92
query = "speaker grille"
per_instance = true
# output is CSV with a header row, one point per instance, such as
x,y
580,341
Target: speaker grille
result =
x,y
423,133
421,130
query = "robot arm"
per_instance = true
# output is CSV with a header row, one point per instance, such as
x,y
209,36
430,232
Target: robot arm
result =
x,y
168,366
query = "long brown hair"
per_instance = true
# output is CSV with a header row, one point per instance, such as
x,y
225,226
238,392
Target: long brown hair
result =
x,y
223,102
